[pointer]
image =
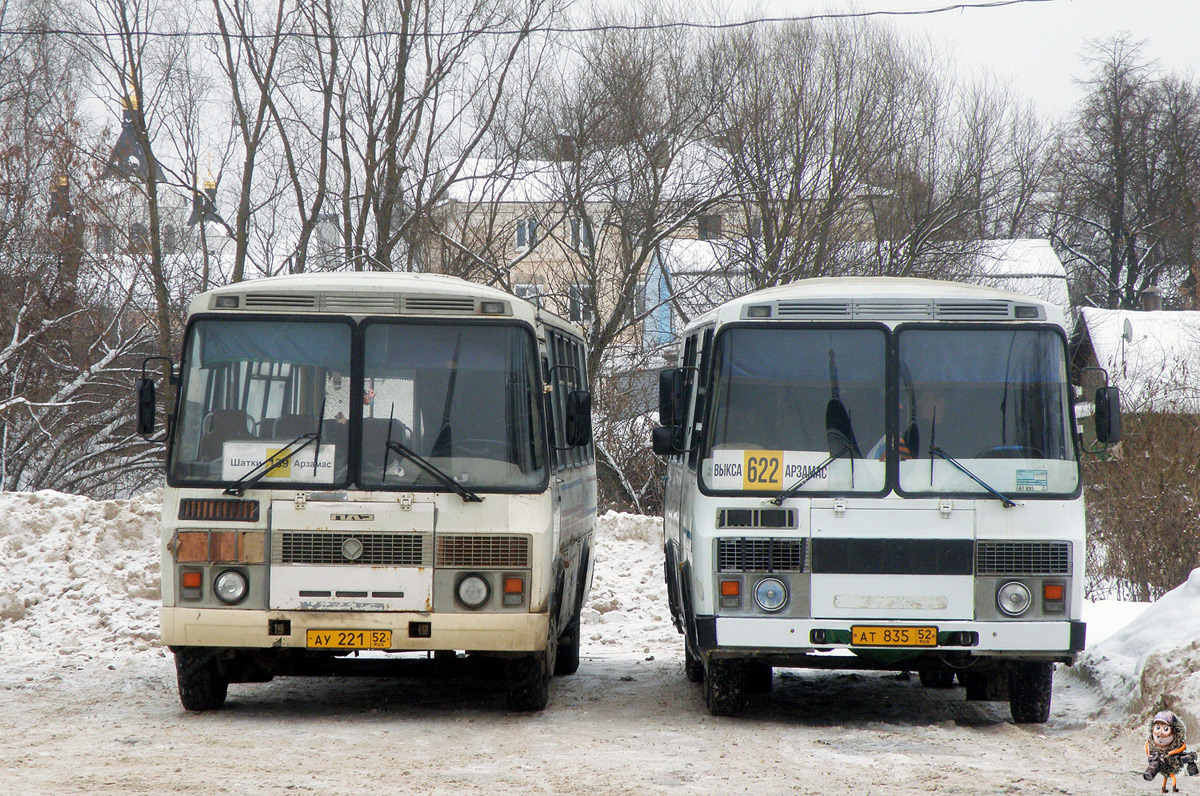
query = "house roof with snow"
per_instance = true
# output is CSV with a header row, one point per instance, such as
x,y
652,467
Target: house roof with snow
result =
x,y
1027,266
1152,357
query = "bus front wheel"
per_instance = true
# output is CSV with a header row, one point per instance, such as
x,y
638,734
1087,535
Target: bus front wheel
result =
x,y
203,683
1029,687
529,688
725,686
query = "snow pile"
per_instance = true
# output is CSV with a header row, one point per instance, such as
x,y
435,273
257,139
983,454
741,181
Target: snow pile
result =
x,y
77,576
627,607
1152,663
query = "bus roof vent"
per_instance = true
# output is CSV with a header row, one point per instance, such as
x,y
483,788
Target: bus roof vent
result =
x,y
813,309
894,310
280,301
361,303
439,305
973,310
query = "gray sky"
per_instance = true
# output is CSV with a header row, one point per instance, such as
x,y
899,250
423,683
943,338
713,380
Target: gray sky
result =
x,y
1038,45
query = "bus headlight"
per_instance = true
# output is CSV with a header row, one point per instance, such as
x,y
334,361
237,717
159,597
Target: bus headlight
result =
x,y
1014,598
770,594
473,591
231,586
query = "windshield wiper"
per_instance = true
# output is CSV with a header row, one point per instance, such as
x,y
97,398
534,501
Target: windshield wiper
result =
x,y
935,451
467,495
794,488
239,487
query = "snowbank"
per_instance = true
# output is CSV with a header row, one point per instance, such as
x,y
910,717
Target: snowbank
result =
x,y
78,577
1151,663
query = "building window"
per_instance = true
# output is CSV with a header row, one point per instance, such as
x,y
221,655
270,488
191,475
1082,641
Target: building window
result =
x,y
527,233
754,226
581,301
139,237
709,227
105,239
531,292
581,235
637,306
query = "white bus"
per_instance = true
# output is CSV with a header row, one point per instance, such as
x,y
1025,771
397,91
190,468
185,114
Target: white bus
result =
x,y
876,474
374,462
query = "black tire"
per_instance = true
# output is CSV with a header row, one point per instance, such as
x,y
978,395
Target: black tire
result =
x,y
529,690
936,678
725,687
693,665
1029,692
760,677
203,684
567,661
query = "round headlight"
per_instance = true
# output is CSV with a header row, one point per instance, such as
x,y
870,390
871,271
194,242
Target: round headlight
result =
x,y
770,594
1014,598
473,591
231,586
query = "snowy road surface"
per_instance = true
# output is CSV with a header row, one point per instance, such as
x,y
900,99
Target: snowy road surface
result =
x,y
88,703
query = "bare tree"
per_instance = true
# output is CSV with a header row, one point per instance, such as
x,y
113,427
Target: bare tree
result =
x,y
1124,178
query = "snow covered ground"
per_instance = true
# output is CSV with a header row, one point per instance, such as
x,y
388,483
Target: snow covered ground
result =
x,y
88,703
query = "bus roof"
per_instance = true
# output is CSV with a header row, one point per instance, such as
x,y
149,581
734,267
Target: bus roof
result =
x,y
882,299
371,293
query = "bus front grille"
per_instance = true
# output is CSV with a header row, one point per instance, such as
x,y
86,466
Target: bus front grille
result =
x,y
368,549
760,555
1022,558
483,552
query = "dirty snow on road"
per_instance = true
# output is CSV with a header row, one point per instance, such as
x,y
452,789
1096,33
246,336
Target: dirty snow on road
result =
x,y
88,702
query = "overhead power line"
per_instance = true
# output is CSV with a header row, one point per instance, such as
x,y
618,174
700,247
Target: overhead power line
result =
x,y
510,31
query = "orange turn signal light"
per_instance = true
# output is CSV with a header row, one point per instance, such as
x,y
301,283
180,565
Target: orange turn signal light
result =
x,y
731,588
514,585
191,580
1053,591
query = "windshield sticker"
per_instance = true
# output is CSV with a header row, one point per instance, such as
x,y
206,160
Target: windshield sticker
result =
x,y
240,458
1033,481
765,470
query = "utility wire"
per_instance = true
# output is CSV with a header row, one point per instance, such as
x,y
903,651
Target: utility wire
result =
x,y
509,31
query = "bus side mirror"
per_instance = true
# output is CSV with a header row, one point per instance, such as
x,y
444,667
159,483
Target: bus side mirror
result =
x,y
145,406
578,429
666,397
1108,415
662,440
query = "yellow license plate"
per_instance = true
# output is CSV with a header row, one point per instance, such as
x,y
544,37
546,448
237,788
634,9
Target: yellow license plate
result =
x,y
349,639
871,636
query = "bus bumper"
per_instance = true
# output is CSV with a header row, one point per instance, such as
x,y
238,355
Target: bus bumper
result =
x,y
994,638
231,629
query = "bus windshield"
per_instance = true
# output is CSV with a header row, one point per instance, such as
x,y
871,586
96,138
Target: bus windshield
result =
x,y
996,400
462,397
250,387
787,399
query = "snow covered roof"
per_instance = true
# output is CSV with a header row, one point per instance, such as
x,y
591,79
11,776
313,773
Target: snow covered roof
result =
x,y
1028,266
1153,357
688,256
526,182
